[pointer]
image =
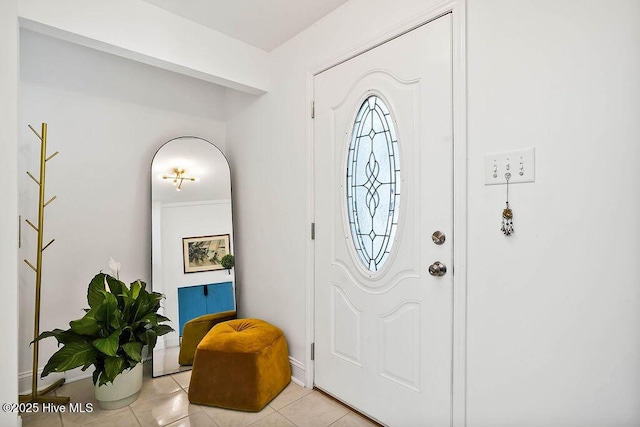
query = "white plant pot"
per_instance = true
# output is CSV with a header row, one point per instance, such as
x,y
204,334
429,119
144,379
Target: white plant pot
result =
x,y
122,391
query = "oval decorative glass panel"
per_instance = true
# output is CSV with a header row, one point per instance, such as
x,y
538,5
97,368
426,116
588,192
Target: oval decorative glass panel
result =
x,y
373,183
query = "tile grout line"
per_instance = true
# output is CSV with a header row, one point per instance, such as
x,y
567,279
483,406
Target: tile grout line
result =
x,y
345,415
307,395
349,408
285,417
180,389
290,403
134,416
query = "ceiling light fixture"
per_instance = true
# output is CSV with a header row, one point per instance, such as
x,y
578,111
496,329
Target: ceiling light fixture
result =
x,y
179,177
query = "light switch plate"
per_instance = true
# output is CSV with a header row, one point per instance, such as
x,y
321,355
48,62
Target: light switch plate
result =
x,y
520,163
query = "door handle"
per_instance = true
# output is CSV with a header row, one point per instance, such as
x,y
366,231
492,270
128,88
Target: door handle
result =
x,y
437,269
205,290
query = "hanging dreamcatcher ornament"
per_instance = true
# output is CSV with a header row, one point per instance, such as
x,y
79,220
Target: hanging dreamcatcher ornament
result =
x,y
507,213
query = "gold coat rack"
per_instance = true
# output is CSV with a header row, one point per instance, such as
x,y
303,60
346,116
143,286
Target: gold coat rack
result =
x,y
41,396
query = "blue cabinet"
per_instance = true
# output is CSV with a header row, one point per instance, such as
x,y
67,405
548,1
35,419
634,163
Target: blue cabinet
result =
x,y
194,301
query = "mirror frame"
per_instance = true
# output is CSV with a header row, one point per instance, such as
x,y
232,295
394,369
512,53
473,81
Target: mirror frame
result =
x,y
175,322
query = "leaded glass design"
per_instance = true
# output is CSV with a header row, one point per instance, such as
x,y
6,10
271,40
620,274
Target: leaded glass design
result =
x,y
373,183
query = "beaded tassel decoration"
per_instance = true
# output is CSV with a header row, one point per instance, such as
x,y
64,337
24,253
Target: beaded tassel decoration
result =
x,y
507,213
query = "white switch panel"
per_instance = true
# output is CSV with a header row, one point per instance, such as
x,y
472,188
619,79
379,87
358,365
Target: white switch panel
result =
x,y
520,163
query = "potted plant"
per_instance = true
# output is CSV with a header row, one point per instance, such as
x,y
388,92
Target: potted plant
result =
x,y
119,322
228,261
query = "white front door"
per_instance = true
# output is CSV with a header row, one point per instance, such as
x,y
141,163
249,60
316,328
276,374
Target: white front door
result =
x,y
383,186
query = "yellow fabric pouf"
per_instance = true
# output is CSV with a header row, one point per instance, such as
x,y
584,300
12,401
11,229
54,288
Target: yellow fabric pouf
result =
x,y
195,330
240,364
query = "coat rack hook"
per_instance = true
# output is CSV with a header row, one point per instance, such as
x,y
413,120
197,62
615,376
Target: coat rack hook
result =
x,y
31,265
50,200
31,224
33,178
51,156
36,132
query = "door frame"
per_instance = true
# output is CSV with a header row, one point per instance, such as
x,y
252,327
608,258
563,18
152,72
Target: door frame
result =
x,y
459,330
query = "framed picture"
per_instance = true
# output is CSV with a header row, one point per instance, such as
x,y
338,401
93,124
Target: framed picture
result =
x,y
204,253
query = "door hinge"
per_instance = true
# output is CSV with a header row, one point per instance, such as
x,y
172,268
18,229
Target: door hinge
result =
x,y
313,351
313,231
313,109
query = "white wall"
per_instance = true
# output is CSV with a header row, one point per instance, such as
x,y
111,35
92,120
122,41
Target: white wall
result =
x,y
553,311
9,210
107,116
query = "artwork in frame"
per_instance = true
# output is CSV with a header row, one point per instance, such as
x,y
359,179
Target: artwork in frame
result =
x,y
204,253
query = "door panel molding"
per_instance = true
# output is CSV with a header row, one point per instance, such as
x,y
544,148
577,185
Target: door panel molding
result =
x,y
400,361
409,273
359,82
346,344
389,88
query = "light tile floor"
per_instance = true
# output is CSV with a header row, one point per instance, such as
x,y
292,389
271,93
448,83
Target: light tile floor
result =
x,y
163,402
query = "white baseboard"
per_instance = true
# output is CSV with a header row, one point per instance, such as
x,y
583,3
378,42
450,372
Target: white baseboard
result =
x,y
298,372
25,378
297,381
77,375
172,343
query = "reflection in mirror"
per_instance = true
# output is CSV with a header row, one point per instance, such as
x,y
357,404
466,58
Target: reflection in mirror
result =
x,y
191,230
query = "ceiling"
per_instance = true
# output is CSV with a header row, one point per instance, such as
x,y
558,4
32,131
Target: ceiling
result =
x,y
265,24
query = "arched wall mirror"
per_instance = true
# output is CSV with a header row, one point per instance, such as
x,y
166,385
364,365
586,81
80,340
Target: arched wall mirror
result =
x,y
191,230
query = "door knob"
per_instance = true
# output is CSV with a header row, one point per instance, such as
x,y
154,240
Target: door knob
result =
x,y
437,269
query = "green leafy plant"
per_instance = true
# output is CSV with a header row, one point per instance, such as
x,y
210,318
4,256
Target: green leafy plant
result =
x,y
120,320
228,261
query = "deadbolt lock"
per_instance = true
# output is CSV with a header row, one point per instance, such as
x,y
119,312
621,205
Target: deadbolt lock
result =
x,y
437,269
438,237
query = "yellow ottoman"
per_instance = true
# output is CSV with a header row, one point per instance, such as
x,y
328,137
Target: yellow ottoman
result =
x,y
195,330
240,364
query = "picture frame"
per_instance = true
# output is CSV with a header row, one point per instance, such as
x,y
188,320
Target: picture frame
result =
x,y
203,253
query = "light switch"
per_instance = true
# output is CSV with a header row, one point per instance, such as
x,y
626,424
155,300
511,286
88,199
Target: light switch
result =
x,y
519,163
